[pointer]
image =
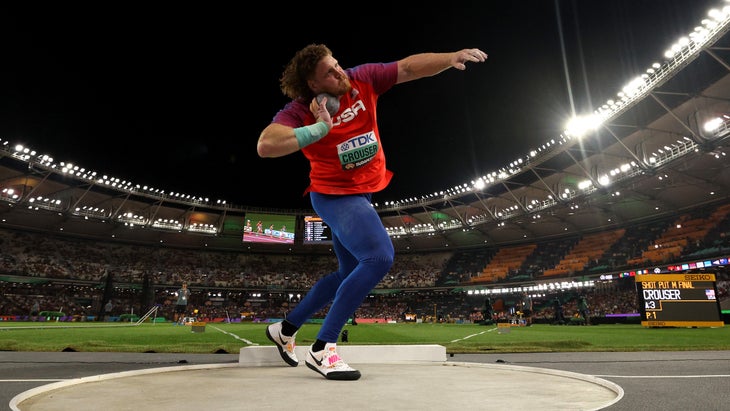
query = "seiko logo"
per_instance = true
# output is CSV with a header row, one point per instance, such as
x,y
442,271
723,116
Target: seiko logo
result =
x,y
349,113
696,277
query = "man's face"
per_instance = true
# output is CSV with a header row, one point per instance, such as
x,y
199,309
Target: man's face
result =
x,y
330,78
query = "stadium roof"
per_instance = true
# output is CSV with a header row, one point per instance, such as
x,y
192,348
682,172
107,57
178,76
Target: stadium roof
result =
x,y
650,156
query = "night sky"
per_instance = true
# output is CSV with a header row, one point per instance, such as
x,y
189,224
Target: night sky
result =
x,y
175,96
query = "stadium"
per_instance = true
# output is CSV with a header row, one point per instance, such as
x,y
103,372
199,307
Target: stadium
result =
x,y
639,187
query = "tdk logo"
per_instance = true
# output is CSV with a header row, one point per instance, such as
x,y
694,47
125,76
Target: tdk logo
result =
x,y
349,113
357,142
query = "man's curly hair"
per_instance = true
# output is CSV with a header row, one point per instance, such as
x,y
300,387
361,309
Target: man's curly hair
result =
x,y
293,81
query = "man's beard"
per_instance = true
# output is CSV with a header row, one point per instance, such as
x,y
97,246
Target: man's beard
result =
x,y
344,88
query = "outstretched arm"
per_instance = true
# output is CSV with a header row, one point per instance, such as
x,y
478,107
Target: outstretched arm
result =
x,y
429,64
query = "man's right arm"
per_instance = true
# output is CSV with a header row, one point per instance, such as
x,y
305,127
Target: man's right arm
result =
x,y
277,140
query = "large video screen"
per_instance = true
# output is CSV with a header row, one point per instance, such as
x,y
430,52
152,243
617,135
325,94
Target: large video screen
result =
x,y
269,228
316,231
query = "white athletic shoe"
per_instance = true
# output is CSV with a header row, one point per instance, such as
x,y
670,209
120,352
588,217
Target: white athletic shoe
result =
x,y
284,344
328,363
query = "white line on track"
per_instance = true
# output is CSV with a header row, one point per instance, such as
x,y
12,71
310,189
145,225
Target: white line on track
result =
x,y
235,336
654,377
474,335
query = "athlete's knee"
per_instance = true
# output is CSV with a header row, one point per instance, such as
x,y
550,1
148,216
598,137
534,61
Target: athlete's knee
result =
x,y
385,253
380,263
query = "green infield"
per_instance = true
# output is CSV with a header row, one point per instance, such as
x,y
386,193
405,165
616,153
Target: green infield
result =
x,y
457,338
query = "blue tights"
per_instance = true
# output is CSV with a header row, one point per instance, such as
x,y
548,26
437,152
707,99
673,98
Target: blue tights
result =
x,y
364,255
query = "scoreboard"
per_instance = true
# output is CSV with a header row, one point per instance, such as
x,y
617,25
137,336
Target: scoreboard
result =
x,y
316,230
678,300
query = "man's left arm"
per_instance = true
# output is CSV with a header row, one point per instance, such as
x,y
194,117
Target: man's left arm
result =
x,y
429,64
